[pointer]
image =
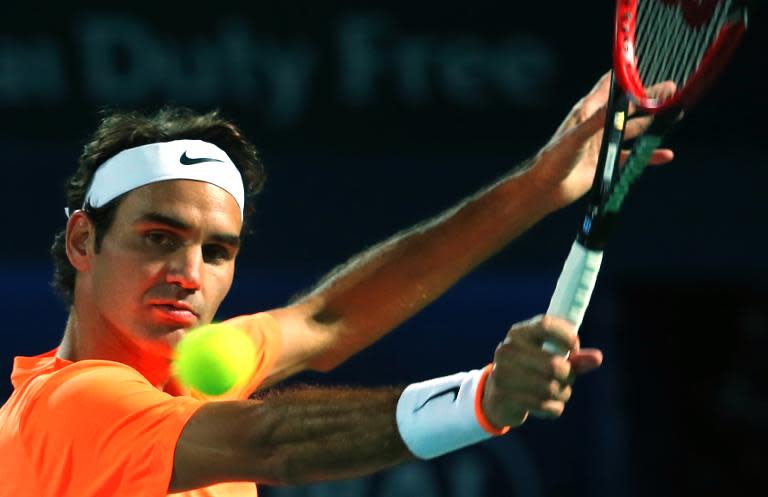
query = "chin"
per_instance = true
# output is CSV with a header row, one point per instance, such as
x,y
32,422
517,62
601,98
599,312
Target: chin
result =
x,y
162,339
171,338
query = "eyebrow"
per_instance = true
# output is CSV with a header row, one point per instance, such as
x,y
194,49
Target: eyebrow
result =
x,y
159,218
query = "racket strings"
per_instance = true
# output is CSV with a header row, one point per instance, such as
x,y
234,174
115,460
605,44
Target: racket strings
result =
x,y
672,37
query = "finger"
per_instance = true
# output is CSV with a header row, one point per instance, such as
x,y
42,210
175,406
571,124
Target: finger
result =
x,y
546,408
640,122
588,113
598,95
516,363
549,398
637,126
555,330
660,156
661,91
546,365
525,341
549,409
586,360
536,387
551,390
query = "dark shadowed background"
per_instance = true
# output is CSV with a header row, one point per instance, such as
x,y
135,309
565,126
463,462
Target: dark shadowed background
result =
x,y
372,117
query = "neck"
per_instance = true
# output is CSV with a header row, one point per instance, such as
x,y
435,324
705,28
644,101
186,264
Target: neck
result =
x,y
84,340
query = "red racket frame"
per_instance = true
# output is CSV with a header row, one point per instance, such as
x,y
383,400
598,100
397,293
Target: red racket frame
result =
x,y
715,58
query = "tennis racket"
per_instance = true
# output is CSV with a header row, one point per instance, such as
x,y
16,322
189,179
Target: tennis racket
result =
x,y
687,42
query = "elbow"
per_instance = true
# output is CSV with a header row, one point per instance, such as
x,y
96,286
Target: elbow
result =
x,y
327,361
328,338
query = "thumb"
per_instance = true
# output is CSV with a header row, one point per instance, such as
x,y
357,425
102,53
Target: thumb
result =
x,y
585,360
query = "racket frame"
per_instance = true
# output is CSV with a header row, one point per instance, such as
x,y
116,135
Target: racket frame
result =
x,y
576,282
714,60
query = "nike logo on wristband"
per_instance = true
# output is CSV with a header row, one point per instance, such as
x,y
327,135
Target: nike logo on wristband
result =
x,y
453,390
187,161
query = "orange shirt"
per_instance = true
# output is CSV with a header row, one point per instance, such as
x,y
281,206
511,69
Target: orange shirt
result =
x,y
97,428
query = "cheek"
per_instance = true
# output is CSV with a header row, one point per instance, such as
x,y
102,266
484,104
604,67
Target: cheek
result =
x,y
219,283
125,276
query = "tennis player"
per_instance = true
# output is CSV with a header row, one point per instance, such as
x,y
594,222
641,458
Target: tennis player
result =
x,y
156,212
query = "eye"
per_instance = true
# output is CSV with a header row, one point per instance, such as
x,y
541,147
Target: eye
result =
x,y
215,253
161,239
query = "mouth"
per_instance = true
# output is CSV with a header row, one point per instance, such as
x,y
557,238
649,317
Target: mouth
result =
x,y
175,312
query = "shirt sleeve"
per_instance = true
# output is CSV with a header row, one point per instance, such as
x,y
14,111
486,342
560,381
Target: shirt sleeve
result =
x,y
264,330
98,428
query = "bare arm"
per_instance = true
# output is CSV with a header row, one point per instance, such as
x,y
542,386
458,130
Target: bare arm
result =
x,y
291,437
302,435
374,292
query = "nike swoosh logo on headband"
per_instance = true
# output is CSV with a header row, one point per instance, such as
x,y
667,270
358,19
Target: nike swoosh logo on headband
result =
x,y
187,161
453,390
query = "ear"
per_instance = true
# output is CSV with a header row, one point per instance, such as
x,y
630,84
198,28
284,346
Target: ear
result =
x,y
79,240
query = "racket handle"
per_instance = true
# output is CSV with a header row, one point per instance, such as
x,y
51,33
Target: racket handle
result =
x,y
574,288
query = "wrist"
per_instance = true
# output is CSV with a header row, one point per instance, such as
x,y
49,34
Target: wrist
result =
x,y
481,413
546,188
441,415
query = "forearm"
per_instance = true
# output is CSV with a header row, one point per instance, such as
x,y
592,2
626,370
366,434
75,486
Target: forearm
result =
x,y
377,290
299,436
311,434
291,437
303,435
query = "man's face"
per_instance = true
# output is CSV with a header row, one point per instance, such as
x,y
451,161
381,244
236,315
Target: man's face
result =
x,y
167,261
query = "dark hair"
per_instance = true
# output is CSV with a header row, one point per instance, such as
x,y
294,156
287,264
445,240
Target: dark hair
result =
x,y
119,131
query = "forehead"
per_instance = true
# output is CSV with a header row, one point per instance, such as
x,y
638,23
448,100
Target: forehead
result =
x,y
194,202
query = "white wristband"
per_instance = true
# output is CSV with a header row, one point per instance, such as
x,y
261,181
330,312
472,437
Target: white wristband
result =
x,y
438,416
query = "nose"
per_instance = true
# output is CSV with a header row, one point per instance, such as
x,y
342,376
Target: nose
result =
x,y
186,267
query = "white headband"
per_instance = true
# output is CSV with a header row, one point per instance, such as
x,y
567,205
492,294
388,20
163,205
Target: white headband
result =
x,y
180,159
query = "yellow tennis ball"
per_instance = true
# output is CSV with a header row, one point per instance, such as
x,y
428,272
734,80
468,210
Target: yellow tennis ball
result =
x,y
213,358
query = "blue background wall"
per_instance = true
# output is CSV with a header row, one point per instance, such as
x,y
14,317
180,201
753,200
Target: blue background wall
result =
x,y
370,119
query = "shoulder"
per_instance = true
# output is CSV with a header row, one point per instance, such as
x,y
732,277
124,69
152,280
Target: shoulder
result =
x,y
91,380
100,418
99,391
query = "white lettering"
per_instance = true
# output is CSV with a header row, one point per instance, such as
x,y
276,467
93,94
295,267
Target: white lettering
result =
x,y
362,59
126,60
121,62
464,70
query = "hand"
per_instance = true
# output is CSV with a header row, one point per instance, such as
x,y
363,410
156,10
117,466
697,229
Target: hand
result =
x,y
565,167
526,379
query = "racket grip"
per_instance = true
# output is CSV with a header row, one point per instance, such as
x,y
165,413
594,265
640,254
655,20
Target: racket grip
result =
x,y
574,288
